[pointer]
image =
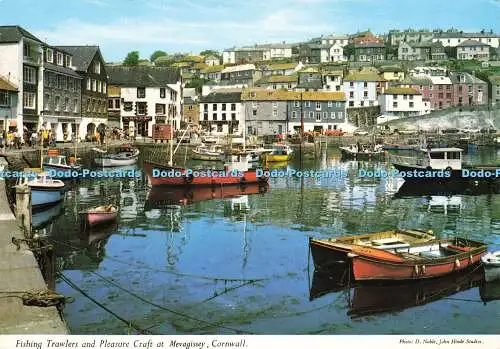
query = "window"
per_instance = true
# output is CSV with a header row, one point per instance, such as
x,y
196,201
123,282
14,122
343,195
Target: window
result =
x,y
365,84
351,103
205,116
351,84
411,104
318,116
97,68
59,57
233,116
88,105
66,104
437,155
294,114
214,107
394,104
46,79
365,94
311,114
57,103
274,86
405,97
223,116
223,107
104,87
205,107
297,104
94,85
340,114
254,112
325,115
214,116
75,106
362,103
275,104
141,92
141,108
162,92
394,96
233,107
160,109
330,104
88,85
440,95
318,106
411,97
29,75
275,112
111,104
127,106
99,86
308,104
49,55
117,103
351,94
332,115
68,61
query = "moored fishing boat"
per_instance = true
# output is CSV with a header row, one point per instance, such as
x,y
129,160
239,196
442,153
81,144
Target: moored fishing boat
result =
x,y
353,151
124,157
55,162
100,215
207,153
491,262
329,252
280,152
44,189
419,261
43,216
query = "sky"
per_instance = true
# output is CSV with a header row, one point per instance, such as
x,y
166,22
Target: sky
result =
x,y
191,26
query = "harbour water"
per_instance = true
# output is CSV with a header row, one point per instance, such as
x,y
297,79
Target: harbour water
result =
x,y
208,262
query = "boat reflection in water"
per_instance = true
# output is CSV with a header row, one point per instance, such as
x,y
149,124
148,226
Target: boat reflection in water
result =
x,y
161,196
41,218
378,298
91,251
410,189
490,291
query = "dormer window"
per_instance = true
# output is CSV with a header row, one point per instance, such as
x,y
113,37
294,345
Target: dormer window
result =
x,y
97,68
49,55
68,61
59,58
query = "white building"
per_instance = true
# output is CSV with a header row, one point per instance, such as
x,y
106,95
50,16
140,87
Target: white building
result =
x,y
21,65
400,102
471,49
341,40
336,54
453,39
212,61
149,95
229,56
222,112
361,89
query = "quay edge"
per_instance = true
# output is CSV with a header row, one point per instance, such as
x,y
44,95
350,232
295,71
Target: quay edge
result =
x,y
20,272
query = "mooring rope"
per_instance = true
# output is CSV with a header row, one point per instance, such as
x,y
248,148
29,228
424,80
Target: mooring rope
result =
x,y
187,316
100,305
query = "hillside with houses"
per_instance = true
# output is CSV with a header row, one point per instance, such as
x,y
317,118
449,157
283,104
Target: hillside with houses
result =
x,y
332,82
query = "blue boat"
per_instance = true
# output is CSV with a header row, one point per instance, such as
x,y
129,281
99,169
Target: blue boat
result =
x,y
44,189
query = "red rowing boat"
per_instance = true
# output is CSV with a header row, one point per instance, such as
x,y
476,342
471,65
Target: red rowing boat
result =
x,y
100,215
180,176
419,261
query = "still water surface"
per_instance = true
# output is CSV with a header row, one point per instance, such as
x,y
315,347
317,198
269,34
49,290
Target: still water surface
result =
x,y
178,263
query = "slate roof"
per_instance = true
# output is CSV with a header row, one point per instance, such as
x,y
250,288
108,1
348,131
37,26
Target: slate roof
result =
x,y
142,76
392,68
82,55
426,44
363,76
14,33
282,95
222,97
280,66
62,70
6,85
472,43
369,44
451,35
278,79
468,78
214,69
494,78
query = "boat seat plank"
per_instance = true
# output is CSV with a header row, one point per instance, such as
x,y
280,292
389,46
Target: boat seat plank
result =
x,y
386,241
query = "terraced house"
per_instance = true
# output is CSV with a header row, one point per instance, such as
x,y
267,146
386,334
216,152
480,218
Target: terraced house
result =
x,y
61,94
89,64
21,66
221,112
149,95
361,88
320,111
8,101
400,102
468,90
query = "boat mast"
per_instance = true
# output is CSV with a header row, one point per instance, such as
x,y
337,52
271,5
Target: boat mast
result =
x,y
170,161
244,139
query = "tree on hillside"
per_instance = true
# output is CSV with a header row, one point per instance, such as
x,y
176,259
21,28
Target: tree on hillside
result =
x,y
210,53
197,83
156,54
132,59
164,61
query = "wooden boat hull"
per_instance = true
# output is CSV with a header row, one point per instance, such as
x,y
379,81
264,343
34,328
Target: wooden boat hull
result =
x,y
346,154
180,177
330,253
94,219
109,162
372,264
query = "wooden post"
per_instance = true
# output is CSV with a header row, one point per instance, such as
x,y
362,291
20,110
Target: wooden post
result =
x,y
23,209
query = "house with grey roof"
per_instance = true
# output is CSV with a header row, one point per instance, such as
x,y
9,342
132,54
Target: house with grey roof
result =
x,y
61,94
21,66
421,51
468,90
472,49
149,95
452,38
222,112
369,52
89,64
411,36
